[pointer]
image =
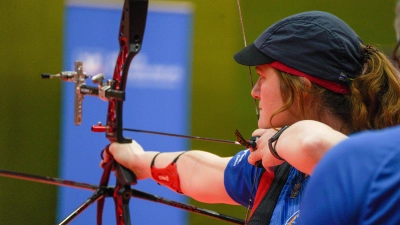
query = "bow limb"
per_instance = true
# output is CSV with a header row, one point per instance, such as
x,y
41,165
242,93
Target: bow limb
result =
x,y
130,37
133,21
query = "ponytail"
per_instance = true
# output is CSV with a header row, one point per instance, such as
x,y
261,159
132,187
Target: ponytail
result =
x,y
375,94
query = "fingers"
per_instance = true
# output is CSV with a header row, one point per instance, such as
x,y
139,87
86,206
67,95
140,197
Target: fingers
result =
x,y
262,153
115,151
259,132
102,164
106,156
254,157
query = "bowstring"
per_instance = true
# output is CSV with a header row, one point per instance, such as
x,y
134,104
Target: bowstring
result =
x,y
256,108
245,45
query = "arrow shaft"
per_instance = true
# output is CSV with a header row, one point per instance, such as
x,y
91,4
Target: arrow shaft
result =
x,y
183,136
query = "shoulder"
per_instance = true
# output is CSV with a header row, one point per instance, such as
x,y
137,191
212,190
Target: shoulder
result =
x,y
363,171
239,176
239,166
361,159
372,146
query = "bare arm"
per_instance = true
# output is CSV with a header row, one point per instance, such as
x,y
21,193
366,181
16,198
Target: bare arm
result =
x,y
201,173
302,145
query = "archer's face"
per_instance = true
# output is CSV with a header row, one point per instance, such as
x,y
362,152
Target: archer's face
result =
x,y
267,91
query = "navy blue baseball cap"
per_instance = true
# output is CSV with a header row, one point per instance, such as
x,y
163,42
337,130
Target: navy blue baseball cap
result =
x,y
316,45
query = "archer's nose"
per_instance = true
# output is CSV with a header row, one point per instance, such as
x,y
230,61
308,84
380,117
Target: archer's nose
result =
x,y
255,92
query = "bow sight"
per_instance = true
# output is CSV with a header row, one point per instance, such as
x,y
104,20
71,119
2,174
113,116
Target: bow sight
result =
x,y
105,90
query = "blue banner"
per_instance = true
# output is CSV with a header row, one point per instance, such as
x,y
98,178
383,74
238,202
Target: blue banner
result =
x,y
157,98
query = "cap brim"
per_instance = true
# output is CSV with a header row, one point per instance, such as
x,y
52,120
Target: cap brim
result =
x,y
251,56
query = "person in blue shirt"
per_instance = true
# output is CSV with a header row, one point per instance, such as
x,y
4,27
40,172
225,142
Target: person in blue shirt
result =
x,y
311,66
356,182
356,179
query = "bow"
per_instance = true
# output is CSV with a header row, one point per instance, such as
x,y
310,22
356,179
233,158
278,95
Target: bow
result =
x,y
130,38
133,22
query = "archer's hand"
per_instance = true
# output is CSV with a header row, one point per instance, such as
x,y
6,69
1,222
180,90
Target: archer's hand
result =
x,y
263,153
128,155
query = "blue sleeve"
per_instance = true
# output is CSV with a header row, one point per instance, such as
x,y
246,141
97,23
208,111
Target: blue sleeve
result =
x,y
239,178
356,182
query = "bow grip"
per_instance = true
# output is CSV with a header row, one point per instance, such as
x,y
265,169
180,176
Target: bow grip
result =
x,y
124,175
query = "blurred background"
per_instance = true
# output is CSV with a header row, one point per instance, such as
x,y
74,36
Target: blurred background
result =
x,y
31,42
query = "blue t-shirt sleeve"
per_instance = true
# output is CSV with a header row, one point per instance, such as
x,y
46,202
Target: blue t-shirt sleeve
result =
x,y
239,178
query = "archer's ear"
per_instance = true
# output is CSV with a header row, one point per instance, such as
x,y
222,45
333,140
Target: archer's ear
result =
x,y
307,83
305,98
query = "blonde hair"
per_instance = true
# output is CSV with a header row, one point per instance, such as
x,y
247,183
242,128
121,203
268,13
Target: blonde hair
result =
x,y
374,102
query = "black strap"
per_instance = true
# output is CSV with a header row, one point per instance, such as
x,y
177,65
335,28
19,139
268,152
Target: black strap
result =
x,y
262,215
173,161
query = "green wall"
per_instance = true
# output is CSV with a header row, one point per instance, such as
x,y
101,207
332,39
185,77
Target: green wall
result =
x,y
31,43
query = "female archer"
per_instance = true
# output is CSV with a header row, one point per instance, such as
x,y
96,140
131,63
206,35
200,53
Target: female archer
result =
x,y
311,66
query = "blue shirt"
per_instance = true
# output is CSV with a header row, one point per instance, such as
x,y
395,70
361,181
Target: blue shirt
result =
x,y
356,182
240,176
